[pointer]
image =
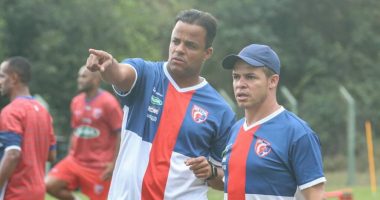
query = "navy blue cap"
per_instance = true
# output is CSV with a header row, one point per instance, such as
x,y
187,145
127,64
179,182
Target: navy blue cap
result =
x,y
256,55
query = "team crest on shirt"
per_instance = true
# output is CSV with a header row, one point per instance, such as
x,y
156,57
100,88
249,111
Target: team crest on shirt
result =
x,y
199,114
262,147
98,189
97,112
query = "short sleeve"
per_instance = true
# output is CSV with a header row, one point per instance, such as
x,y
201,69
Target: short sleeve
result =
x,y
138,66
11,120
9,140
222,137
307,161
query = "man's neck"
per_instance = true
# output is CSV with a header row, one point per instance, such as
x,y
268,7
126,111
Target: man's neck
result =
x,y
252,115
92,93
19,91
184,81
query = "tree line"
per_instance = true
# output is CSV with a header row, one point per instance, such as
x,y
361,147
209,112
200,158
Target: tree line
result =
x,y
322,44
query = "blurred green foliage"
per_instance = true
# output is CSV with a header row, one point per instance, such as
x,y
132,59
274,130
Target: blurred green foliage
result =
x,y
322,44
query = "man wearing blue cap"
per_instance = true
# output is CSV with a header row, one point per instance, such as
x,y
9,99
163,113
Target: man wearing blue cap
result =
x,y
271,153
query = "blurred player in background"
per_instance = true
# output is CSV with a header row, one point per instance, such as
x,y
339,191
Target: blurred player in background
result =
x,y
96,122
27,138
271,152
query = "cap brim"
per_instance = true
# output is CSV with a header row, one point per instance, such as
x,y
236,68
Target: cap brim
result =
x,y
230,60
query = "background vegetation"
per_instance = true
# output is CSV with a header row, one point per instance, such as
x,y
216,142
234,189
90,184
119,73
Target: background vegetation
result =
x,y
322,44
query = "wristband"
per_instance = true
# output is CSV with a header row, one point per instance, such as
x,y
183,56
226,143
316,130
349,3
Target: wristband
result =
x,y
214,171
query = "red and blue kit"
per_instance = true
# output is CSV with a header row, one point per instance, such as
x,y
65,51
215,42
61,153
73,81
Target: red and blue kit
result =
x,y
27,126
163,126
94,123
272,158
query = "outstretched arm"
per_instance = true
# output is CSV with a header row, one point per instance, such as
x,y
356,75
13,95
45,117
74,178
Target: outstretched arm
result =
x,y
122,76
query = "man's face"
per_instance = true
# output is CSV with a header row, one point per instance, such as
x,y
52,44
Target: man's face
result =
x,y
5,79
251,85
86,80
187,50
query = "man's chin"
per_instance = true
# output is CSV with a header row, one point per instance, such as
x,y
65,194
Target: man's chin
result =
x,y
242,105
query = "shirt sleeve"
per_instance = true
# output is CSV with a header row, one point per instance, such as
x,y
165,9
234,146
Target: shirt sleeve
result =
x,y
307,161
222,137
138,66
11,120
8,141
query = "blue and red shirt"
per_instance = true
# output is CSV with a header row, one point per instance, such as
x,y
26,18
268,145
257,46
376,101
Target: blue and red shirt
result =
x,y
163,126
271,158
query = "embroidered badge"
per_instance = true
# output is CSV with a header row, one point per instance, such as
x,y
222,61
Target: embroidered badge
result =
x,y
262,147
97,113
199,114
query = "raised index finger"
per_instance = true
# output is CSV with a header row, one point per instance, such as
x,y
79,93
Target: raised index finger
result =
x,y
99,53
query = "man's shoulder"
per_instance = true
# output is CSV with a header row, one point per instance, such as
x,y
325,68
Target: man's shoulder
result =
x,y
295,123
106,98
78,97
16,105
137,62
214,97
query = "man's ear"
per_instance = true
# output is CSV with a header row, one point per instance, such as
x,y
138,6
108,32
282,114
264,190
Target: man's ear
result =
x,y
209,52
14,77
273,81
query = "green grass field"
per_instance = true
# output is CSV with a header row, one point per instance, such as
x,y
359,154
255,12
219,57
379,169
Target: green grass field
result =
x,y
361,190
359,193
335,181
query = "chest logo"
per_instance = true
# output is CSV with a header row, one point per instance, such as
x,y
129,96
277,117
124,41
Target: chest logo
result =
x,y
156,101
86,132
262,147
199,114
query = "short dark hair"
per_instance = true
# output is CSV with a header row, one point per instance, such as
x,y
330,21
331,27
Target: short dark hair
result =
x,y
20,66
203,19
268,71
